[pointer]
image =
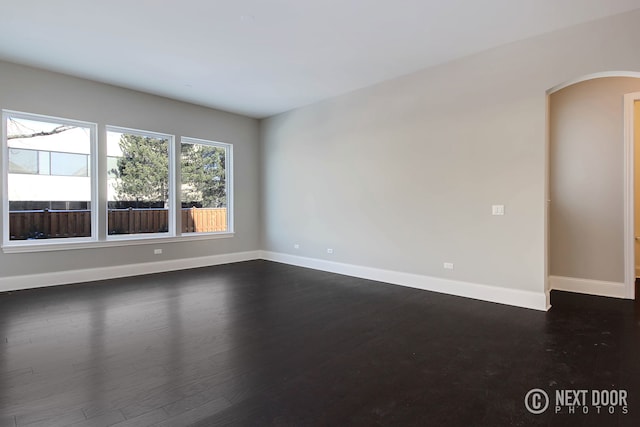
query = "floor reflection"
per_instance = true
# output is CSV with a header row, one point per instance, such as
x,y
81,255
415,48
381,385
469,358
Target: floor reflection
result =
x,y
261,343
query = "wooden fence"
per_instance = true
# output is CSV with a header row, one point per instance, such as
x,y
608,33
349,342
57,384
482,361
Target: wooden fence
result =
x,y
204,220
134,221
47,224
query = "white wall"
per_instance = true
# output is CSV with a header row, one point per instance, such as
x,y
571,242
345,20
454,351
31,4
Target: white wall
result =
x,y
42,92
402,175
49,187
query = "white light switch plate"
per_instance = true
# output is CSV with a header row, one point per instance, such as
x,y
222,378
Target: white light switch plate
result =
x,y
497,210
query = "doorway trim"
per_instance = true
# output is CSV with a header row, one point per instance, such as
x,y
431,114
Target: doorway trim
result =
x,y
629,195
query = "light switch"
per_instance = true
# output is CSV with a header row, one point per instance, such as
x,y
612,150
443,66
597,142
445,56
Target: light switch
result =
x,y
497,210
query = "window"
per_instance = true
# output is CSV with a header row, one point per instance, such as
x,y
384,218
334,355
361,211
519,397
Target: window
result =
x,y
65,164
154,187
205,169
140,191
36,162
48,192
44,162
23,161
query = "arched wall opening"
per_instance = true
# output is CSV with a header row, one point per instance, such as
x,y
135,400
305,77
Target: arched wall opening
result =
x,y
590,168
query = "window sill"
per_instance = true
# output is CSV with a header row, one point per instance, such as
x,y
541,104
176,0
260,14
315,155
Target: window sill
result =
x,y
133,241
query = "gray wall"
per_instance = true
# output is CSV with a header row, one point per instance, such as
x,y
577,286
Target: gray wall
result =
x,y
402,175
586,179
42,92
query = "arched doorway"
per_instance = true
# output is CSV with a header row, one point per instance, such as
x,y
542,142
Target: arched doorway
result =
x,y
590,233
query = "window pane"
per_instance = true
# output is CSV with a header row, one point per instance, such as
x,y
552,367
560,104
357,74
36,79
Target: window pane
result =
x,y
65,164
23,161
204,190
138,175
44,163
42,206
112,167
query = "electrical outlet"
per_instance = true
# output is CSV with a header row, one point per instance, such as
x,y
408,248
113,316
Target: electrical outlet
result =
x,y
329,250
296,246
448,266
157,251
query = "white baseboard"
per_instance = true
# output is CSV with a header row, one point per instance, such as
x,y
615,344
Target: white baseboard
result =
x,y
519,298
102,273
586,286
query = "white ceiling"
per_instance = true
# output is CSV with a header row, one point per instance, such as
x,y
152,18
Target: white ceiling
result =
x,y
263,57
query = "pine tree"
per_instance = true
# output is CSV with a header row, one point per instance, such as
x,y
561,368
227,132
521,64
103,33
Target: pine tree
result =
x,y
203,175
142,173
143,170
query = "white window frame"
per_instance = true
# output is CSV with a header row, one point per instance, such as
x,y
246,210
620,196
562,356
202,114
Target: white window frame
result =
x,y
172,187
228,183
99,204
93,168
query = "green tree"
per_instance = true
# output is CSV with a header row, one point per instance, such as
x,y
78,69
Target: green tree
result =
x,y
203,175
143,169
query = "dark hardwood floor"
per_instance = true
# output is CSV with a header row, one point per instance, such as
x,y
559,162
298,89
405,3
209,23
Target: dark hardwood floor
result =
x,y
260,343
